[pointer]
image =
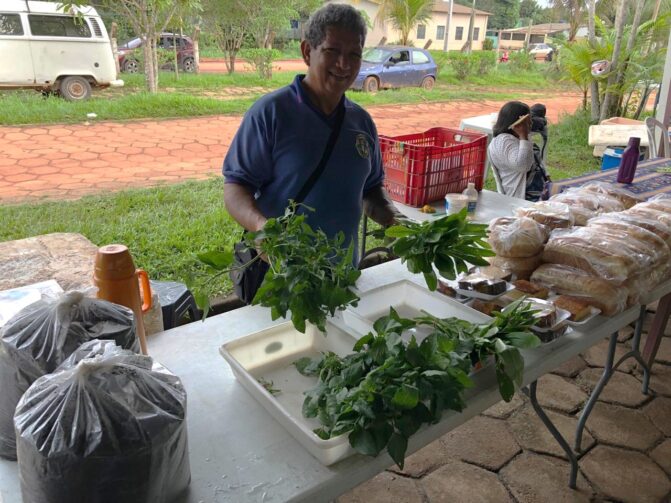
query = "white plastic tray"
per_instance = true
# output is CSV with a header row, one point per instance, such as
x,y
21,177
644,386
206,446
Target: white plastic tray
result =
x,y
409,300
472,293
268,355
593,312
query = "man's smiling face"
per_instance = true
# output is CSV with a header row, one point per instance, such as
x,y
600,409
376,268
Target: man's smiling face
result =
x,y
334,64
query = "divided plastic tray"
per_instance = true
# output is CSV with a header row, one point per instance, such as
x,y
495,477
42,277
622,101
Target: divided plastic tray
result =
x,y
409,300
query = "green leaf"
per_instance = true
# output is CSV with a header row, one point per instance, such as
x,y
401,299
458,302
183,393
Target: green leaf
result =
x,y
203,302
523,340
406,397
217,259
397,447
363,442
398,231
431,280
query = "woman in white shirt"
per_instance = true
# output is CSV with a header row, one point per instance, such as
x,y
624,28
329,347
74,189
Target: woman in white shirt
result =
x,y
511,152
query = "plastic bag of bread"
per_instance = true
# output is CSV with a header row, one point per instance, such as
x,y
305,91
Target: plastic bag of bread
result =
x,y
646,282
593,201
627,198
660,202
645,210
552,214
640,241
598,253
624,220
520,268
42,335
611,298
119,433
516,236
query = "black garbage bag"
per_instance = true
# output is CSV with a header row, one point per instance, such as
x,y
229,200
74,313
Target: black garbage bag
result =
x,y
42,335
108,425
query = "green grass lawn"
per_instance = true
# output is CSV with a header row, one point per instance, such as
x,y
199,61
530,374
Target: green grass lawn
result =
x,y
214,94
165,227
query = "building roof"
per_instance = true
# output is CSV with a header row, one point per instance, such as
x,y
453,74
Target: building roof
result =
x,y
444,6
540,29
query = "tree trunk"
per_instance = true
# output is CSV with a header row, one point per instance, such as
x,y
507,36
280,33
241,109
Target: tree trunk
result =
x,y
149,71
610,100
471,25
594,85
630,46
196,48
154,56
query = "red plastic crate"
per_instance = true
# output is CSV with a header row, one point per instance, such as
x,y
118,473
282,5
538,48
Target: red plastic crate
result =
x,y
421,168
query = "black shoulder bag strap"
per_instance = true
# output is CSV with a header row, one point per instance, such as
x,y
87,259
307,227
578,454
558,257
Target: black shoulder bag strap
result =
x,y
333,138
246,281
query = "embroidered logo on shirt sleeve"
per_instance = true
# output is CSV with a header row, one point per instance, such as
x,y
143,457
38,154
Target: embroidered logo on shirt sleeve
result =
x,y
362,146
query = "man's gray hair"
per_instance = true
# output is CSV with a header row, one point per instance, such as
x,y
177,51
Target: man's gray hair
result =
x,y
334,14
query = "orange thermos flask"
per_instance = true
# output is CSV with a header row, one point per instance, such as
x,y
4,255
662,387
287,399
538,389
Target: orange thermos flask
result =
x,y
119,281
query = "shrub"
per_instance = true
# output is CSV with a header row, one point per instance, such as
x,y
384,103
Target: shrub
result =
x,y
521,61
487,44
484,61
463,64
261,60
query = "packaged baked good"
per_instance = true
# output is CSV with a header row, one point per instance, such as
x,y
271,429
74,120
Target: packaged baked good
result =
x,y
545,315
644,209
660,202
531,289
108,425
599,253
520,268
491,272
626,198
594,201
482,284
554,215
606,295
485,307
625,221
516,236
638,240
577,306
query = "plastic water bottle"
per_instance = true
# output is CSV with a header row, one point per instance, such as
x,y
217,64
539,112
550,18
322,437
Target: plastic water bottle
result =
x,y
629,161
472,195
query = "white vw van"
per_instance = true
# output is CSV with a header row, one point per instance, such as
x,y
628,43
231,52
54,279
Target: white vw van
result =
x,y
44,48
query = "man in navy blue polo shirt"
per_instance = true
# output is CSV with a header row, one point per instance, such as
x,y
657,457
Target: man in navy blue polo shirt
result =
x,y
283,135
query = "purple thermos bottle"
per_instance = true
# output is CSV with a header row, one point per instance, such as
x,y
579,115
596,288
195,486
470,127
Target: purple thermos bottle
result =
x,y
629,161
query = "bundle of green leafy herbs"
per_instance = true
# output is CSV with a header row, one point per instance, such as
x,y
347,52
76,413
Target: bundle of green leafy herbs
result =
x,y
450,244
383,392
309,274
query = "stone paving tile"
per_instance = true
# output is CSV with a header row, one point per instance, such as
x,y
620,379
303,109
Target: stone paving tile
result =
x,y
662,455
625,475
659,412
571,368
532,434
463,483
596,356
384,488
558,393
533,478
483,441
504,409
617,425
660,379
423,461
623,389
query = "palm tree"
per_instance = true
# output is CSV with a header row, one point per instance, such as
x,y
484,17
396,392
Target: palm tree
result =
x,y
404,15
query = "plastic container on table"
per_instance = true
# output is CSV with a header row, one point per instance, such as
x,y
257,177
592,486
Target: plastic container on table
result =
x,y
421,168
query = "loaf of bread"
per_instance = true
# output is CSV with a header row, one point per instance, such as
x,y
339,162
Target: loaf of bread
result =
x,y
577,306
610,297
516,237
598,203
646,282
639,241
554,215
596,252
626,198
625,220
531,289
645,210
521,268
660,202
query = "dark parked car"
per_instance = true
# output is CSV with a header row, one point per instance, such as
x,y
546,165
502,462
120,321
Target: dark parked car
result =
x,y
395,66
167,41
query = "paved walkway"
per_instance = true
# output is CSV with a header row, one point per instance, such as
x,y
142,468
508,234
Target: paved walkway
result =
x,y
68,161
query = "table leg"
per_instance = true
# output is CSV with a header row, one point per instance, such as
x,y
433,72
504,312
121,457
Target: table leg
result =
x,y
656,331
531,393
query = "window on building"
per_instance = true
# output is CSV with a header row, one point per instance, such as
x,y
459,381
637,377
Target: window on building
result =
x,y
10,24
476,33
440,33
421,32
460,33
519,36
58,26
506,36
294,24
418,57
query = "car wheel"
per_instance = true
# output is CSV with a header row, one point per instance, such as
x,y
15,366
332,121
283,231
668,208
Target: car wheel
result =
x,y
75,88
189,65
427,83
131,66
371,85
